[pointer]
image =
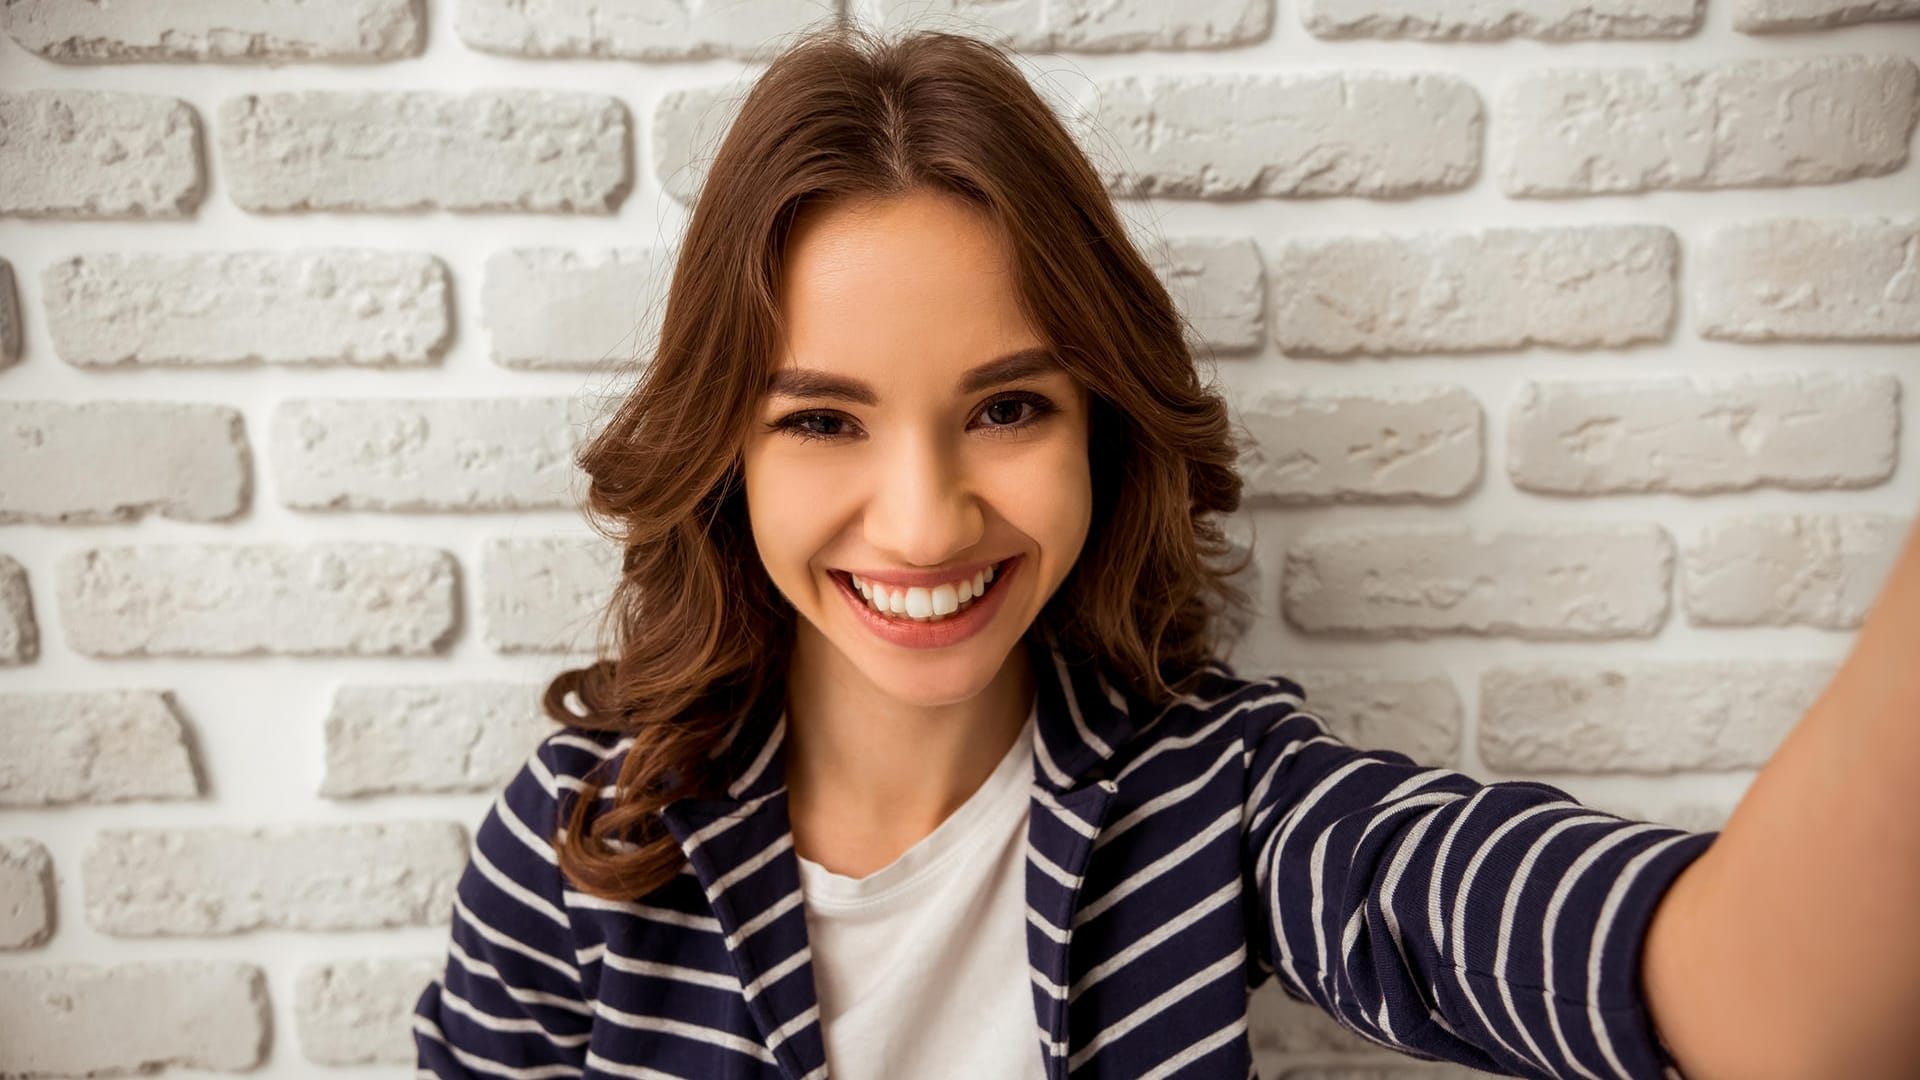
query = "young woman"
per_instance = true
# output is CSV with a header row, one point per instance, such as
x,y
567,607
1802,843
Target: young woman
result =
x,y
914,756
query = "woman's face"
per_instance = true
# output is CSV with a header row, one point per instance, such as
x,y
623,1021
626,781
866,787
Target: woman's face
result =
x,y
913,439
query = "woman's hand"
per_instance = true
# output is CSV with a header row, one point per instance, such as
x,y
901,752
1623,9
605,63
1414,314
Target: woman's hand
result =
x,y
1791,948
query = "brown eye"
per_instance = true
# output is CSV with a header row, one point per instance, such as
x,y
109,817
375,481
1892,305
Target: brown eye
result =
x,y
1003,414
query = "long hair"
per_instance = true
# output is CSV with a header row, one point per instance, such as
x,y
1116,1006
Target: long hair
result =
x,y
698,633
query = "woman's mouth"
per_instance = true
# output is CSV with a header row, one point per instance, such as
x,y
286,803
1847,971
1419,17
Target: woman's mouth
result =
x,y
929,617
925,605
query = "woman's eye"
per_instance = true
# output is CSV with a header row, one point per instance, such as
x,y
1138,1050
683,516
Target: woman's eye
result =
x,y
811,425
1004,414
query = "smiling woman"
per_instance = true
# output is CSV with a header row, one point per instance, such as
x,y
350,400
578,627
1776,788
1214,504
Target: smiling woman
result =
x,y
913,754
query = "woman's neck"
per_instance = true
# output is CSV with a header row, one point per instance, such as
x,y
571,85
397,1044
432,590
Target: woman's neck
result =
x,y
868,776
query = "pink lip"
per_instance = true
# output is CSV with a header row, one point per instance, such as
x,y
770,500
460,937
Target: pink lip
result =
x,y
935,635
926,579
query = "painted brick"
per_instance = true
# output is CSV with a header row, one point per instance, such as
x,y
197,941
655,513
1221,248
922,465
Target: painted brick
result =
x,y
19,633
181,461
99,154
1820,570
1810,279
1379,442
625,30
546,594
1565,131
93,746
410,150
1420,717
1783,429
370,308
26,893
227,880
1084,25
1762,16
9,317
1646,717
346,598
1498,288
1539,581
551,308
1376,134
688,124
1494,20
1277,1023
424,453
237,31
1218,285
94,1020
412,737
359,1012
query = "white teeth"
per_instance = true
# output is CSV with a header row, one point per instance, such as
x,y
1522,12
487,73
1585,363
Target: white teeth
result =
x,y
919,603
923,604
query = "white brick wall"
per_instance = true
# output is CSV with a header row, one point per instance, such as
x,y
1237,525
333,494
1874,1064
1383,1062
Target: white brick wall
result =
x,y
1575,372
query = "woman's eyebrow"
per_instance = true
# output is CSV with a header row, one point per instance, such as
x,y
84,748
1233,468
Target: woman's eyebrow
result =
x,y
809,383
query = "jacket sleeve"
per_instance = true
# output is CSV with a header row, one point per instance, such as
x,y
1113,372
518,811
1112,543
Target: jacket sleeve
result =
x,y
1497,925
510,1000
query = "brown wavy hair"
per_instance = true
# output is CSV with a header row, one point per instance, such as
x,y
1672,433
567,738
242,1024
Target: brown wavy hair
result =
x,y
696,630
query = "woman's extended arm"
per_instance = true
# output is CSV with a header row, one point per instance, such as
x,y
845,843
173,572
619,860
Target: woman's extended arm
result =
x,y
1791,948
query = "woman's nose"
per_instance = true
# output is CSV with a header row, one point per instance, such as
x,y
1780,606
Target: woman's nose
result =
x,y
924,509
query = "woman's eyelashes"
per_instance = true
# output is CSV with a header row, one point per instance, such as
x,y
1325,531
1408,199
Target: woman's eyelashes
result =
x,y
807,425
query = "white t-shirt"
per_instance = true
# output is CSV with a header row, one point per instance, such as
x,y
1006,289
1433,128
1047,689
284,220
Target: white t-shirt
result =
x,y
921,966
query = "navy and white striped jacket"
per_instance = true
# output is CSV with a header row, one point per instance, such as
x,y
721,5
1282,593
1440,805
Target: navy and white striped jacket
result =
x,y
1177,858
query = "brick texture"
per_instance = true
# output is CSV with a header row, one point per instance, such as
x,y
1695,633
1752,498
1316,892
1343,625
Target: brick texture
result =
x,y
19,633
430,736
546,594
227,880
1585,581
1492,20
1419,716
1777,569
232,31
1383,442
1085,25
9,317
424,453
1585,131
1762,16
358,1011
79,1019
99,154
1365,133
1810,279
1220,287
93,746
1792,429
533,150
624,30
100,461
26,893
366,308
345,598
554,308
1497,288
1647,717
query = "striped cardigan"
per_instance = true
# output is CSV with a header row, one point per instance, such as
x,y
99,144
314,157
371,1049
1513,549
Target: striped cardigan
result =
x,y
1177,858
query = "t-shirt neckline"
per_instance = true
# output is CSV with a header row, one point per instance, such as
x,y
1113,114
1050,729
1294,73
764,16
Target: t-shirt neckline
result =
x,y
824,888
